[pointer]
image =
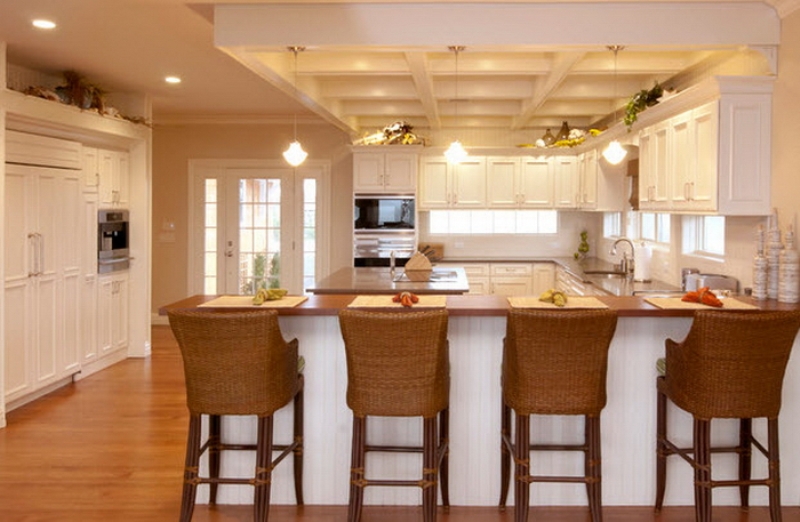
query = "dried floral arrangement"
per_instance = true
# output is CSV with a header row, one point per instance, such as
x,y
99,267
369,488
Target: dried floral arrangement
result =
x,y
398,133
78,91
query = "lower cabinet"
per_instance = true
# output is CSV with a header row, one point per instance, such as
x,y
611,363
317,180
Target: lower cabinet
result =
x,y
112,307
509,279
571,285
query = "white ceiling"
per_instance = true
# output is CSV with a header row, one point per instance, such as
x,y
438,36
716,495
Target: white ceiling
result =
x,y
131,45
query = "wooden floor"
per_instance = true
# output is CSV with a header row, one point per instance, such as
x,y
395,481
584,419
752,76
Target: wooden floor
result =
x,y
110,448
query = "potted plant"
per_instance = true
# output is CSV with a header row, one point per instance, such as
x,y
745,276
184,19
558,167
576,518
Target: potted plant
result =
x,y
640,101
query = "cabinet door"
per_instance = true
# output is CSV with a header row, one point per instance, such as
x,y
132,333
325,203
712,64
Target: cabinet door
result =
x,y
123,166
105,292
434,183
69,266
400,172
544,275
589,180
681,174
469,183
565,181
90,168
501,182
108,176
703,185
535,185
368,172
511,286
119,318
654,162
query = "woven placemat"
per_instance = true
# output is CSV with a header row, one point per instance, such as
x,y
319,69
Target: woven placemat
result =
x,y
385,301
572,303
246,301
675,303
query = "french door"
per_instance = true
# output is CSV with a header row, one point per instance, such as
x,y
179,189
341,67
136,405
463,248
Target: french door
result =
x,y
257,225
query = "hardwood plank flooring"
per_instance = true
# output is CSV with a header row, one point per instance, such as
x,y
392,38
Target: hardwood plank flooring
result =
x,y
110,448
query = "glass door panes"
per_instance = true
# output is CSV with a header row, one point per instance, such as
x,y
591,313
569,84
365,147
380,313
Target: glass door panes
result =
x,y
210,249
259,234
309,232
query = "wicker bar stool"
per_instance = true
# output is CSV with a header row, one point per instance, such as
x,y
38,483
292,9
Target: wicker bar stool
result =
x,y
554,363
237,364
397,366
731,365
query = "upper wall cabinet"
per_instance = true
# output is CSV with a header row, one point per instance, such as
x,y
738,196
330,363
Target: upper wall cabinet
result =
x,y
713,157
377,170
519,182
443,185
113,171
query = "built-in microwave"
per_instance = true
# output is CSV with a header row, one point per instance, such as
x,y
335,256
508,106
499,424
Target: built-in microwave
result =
x,y
112,240
373,213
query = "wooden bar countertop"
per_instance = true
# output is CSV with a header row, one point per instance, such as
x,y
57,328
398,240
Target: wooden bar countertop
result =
x,y
472,305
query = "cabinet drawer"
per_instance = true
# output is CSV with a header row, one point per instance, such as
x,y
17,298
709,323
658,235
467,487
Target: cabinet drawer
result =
x,y
511,269
476,270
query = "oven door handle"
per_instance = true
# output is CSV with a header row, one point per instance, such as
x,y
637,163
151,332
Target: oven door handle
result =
x,y
114,260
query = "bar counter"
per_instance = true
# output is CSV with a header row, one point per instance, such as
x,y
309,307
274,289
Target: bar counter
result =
x,y
475,333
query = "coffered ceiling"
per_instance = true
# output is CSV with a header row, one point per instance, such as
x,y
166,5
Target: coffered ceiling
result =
x,y
362,71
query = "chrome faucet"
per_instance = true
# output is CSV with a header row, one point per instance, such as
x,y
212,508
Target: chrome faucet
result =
x,y
626,264
391,263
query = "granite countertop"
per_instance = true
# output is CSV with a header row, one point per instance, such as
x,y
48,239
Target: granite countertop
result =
x,y
380,280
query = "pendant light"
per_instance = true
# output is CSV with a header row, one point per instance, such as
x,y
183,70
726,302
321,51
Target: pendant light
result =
x,y
614,152
295,155
456,153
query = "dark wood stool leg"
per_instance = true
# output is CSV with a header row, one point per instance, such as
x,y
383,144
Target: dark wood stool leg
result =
x,y
594,467
774,470
702,470
444,464
522,470
745,458
505,454
298,439
429,469
661,450
214,453
263,477
191,468
357,471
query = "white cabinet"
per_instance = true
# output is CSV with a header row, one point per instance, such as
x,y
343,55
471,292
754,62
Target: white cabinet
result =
x,y
113,172
112,304
88,285
23,148
713,158
525,182
587,180
478,278
442,185
42,274
90,167
376,172
653,167
544,275
565,181
511,279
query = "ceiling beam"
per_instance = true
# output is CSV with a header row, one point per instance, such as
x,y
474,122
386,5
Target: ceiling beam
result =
x,y
418,66
563,64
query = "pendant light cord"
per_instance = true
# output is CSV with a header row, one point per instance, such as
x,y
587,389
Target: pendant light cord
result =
x,y
296,49
616,49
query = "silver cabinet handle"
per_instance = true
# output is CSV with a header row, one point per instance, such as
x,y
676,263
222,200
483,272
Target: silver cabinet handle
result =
x,y
34,253
41,254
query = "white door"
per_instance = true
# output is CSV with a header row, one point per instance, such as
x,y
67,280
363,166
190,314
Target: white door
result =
x,y
257,226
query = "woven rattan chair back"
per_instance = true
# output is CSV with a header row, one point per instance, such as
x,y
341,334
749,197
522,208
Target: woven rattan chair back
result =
x,y
397,362
731,365
235,363
556,361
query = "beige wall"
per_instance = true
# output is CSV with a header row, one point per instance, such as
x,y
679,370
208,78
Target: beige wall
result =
x,y
786,124
174,146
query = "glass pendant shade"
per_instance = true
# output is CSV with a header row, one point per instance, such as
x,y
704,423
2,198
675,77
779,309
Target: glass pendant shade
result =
x,y
456,153
295,155
614,153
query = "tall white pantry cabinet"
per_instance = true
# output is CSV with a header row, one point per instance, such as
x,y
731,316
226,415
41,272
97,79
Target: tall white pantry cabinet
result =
x,y
61,320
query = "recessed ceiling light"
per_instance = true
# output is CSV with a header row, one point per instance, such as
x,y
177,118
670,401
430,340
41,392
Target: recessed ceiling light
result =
x,y
172,79
44,24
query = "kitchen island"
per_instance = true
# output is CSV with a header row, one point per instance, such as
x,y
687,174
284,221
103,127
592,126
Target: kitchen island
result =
x,y
475,334
383,280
